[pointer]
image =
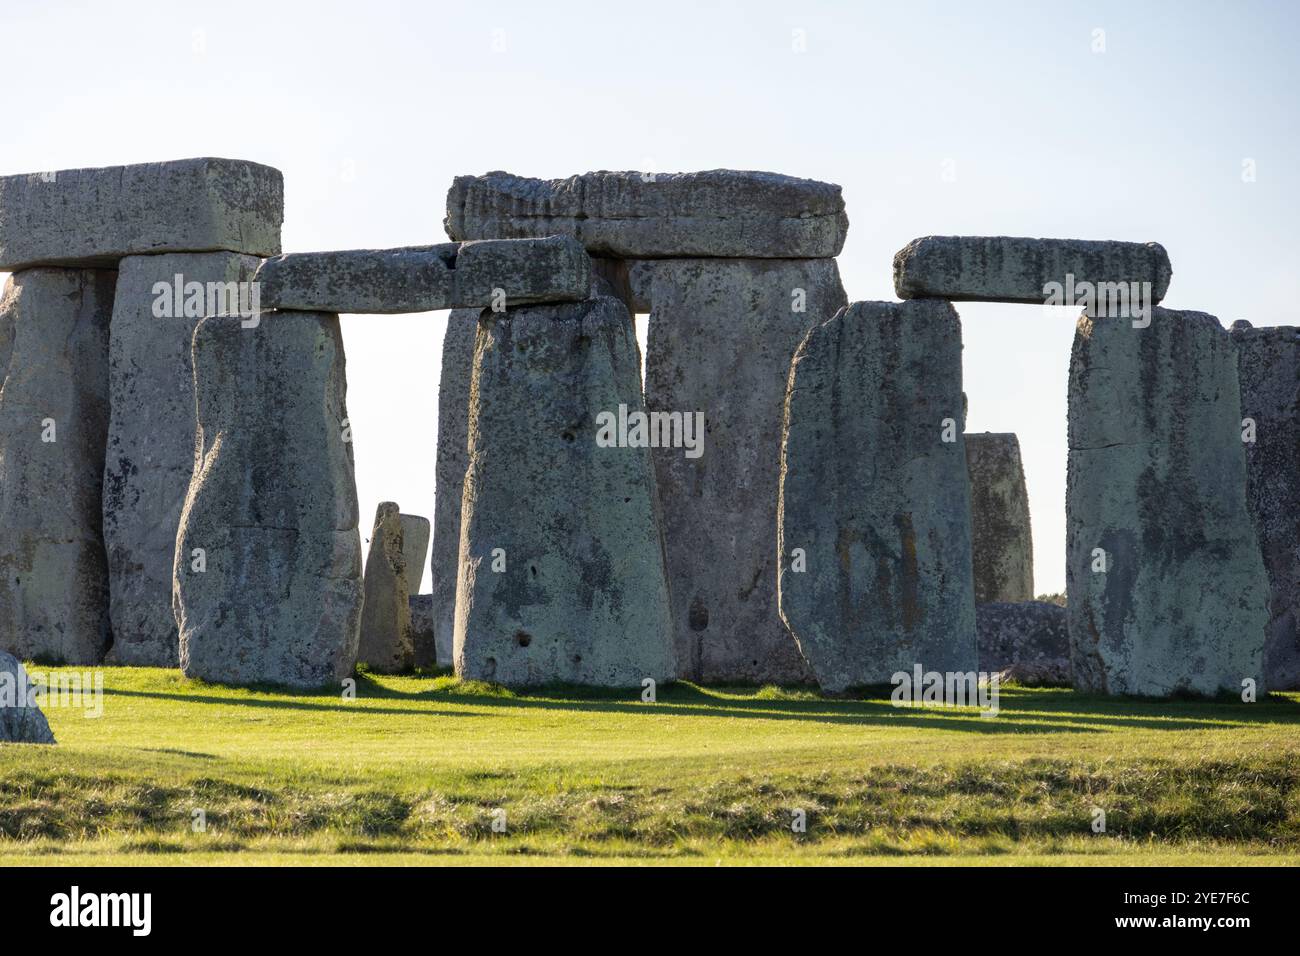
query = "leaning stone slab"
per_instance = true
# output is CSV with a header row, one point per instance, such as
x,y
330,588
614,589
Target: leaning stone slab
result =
x,y
1014,269
1002,543
422,636
1268,365
874,527
1167,589
150,454
93,217
453,457
499,273
1026,641
415,549
386,614
21,720
719,213
271,507
561,559
721,336
54,328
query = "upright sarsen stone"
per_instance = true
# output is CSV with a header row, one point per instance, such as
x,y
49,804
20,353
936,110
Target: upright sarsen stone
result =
x,y
453,456
1001,539
1268,365
267,578
561,561
21,720
415,549
1167,589
93,217
150,454
386,612
53,420
721,337
874,534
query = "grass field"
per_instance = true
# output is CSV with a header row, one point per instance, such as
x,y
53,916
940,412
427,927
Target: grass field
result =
x,y
416,770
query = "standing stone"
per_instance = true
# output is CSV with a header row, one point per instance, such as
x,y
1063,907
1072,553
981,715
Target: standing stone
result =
x,y
151,436
561,559
719,213
875,499
453,456
1167,589
21,721
53,420
386,613
422,643
1027,642
1268,364
92,217
1014,269
415,549
267,579
721,336
1002,543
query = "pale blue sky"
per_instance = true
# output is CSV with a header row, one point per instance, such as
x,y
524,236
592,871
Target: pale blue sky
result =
x,y
371,108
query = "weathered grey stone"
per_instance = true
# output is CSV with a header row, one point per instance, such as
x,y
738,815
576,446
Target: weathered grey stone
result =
x,y
273,506
1001,539
721,212
874,497
93,217
453,458
53,420
386,614
1268,365
1015,269
1026,641
561,560
151,442
426,278
415,549
721,336
422,636
21,720
1157,481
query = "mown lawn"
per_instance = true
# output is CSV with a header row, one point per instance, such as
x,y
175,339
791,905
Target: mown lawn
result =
x,y
418,769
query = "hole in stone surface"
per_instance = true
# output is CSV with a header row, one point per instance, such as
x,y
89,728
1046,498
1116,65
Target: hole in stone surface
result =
x,y
490,667
698,618
533,568
577,658
523,638
569,436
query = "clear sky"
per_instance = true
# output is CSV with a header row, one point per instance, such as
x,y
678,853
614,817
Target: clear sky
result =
x,y
935,117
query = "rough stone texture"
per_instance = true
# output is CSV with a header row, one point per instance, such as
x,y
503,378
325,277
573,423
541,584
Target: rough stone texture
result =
x,y
54,368
150,454
583,597
415,549
21,721
422,637
1026,641
877,500
426,278
386,614
1268,365
453,457
1001,538
720,340
1157,478
1014,269
273,503
720,212
93,217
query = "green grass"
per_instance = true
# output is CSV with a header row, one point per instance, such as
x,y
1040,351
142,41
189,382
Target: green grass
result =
x,y
412,770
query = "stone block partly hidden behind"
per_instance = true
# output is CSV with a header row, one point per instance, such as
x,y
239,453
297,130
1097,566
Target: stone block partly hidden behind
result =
x,y
1167,589
561,560
1001,539
1268,365
415,549
1026,641
386,612
54,327
424,649
21,721
718,213
272,506
93,217
874,514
